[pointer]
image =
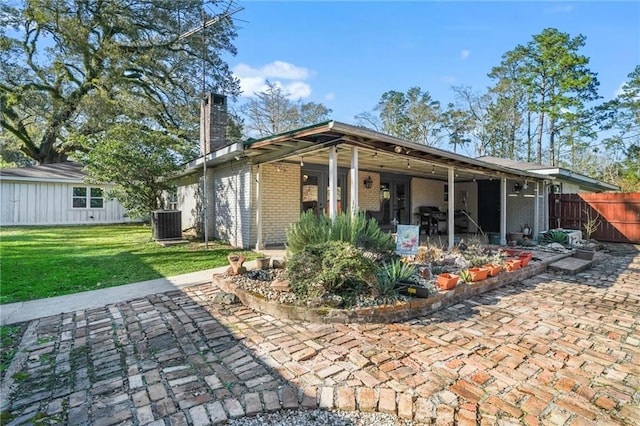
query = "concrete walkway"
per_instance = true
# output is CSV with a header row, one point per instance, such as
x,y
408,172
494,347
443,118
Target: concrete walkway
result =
x,y
554,349
26,311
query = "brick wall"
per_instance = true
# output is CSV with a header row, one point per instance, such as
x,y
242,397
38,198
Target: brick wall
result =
x,y
280,201
368,198
520,207
230,208
427,192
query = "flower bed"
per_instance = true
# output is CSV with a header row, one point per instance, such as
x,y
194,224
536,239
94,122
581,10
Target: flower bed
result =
x,y
256,295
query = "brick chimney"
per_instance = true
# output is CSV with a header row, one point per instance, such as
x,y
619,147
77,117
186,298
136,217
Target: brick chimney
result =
x,y
213,123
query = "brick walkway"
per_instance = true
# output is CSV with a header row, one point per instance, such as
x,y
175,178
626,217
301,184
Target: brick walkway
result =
x,y
551,350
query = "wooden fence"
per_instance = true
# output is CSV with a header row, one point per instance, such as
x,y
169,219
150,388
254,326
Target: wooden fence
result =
x,y
619,214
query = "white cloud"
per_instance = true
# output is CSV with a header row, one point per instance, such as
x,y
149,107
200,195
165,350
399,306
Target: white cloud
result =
x,y
276,69
561,8
287,76
329,96
465,54
449,79
297,89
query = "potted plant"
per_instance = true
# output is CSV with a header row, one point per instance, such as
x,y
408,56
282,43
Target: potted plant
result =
x,y
525,257
591,225
493,269
478,274
263,262
447,281
512,264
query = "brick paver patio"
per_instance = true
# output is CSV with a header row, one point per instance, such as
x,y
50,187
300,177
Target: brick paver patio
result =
x,y
551,350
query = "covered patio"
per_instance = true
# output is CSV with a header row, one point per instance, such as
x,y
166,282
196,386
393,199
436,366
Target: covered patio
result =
x,y
417,184
260,186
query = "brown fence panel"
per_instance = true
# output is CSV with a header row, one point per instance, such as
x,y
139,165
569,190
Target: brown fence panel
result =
x,y
619,214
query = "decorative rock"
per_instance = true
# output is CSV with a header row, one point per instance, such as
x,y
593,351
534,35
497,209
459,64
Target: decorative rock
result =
x,y
226,299
236,261
280,285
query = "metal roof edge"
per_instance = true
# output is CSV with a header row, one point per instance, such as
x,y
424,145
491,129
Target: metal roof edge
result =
x,y
347,128
579,178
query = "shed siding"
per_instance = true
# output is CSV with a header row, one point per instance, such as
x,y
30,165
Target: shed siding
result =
x,y
42,203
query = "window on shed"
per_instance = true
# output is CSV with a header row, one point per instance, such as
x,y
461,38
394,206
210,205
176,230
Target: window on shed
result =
x,y
86,197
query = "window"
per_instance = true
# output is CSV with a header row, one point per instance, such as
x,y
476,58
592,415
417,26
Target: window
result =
x,y
85,197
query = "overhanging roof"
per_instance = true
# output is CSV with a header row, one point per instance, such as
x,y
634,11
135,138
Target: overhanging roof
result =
x,y
556,172
68,171
379,153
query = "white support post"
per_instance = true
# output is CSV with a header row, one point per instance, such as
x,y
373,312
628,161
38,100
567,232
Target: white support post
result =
x,y
259,189
536,211
503,211
450,207
354,181
333,182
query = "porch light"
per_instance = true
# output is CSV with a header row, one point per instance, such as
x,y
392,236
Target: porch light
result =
x,y
302,161
517,187
368,182
433,169
408,164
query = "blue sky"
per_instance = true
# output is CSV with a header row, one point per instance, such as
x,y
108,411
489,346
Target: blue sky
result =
x,y
347,54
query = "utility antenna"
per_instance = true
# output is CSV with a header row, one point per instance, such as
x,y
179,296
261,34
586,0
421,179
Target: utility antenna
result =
x,y
203,117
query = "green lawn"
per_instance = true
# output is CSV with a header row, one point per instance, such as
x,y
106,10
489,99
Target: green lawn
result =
x,y
38,262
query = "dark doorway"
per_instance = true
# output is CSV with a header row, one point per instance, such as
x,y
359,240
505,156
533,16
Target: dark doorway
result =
x,y
489,205
394,200
315,190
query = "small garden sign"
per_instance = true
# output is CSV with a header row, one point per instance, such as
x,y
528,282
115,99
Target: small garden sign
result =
x,y
407,240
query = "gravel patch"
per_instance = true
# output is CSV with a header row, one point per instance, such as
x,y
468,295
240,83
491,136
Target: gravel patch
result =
x,y
321,417
259,282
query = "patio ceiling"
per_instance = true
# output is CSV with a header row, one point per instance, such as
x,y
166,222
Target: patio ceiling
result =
x,y
378,153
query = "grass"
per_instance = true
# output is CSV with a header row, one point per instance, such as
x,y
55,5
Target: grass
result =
x,y
10,336
39,262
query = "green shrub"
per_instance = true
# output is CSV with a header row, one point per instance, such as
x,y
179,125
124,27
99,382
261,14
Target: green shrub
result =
x,y
355,230
328,267
555,237
465,276
391,273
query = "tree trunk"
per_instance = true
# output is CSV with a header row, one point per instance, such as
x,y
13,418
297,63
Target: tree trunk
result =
x,y
552,145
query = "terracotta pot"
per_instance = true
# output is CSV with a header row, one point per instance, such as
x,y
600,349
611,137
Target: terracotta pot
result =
x,y
525,258
511,252
447,281
512,265
494,269
478,274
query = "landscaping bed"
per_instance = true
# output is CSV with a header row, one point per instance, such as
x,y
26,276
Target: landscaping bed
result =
x,y
254,289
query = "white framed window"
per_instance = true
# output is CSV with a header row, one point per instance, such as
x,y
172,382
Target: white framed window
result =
x,y
85,197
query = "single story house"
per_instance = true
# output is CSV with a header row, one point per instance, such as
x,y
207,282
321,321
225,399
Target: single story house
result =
x,y
247,193
559,180
54,194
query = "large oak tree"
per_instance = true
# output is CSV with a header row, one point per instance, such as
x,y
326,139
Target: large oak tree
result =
x,y
71,69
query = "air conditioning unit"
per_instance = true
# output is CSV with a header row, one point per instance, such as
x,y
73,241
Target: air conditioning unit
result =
x,y
167,224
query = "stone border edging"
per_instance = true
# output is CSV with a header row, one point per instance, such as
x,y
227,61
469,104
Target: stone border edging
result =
x,y
401,311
